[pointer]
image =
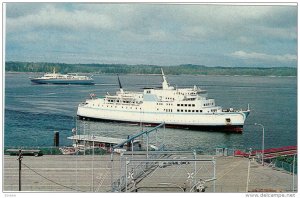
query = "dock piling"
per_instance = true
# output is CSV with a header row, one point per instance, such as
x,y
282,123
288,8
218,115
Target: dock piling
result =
x,y
56,139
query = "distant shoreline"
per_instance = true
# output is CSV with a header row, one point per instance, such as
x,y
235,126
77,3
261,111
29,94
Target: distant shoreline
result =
x,y
113,74
111,69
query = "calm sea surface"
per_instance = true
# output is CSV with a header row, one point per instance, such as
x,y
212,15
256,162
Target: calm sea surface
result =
x,y
34,112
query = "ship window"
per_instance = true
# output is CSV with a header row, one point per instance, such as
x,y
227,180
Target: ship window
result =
x,y
193,110
178,105
182,105
185,105
200,110
181,110
193,105
189,110
227,119
185,110
177,110
189,105
197,110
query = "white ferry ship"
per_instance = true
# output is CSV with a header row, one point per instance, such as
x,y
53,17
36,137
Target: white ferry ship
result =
x,y
178,107
57,78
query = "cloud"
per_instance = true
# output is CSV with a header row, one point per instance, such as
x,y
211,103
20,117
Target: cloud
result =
x,y
264,57
182,21
15,10
187,30
51,17
256,23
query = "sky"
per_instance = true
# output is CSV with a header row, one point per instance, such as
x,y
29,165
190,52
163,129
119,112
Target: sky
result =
x,y
228,35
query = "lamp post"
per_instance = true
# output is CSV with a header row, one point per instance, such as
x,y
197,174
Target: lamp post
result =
x,y
263,143
93,162
248,176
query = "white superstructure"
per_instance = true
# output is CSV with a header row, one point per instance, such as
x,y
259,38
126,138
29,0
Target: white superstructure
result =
x,y
177,107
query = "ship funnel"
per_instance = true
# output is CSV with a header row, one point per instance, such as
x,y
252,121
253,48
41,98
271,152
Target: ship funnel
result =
x,y
120,85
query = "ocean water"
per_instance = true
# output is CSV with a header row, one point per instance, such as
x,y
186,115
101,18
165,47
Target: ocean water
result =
x,y
33,112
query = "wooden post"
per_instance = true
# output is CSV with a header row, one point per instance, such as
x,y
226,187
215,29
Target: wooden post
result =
x,y
56,138
20,168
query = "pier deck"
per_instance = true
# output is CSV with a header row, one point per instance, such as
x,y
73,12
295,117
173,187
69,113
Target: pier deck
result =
x,y
88,173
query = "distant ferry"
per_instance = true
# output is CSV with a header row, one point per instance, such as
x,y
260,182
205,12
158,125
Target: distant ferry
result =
x,y
57,78
177,107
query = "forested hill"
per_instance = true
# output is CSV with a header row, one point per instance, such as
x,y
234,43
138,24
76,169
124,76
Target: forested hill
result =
x,y
147,69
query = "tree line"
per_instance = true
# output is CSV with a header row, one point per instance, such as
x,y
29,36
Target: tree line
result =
x,y
12,66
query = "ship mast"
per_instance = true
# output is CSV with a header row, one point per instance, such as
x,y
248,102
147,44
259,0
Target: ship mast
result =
x,y
165,84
